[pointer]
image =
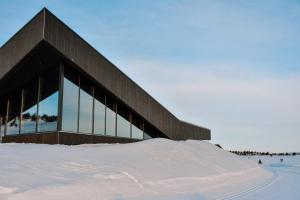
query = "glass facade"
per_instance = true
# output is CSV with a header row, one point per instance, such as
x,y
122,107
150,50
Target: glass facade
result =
x,y
137,133
147,136
123,122
70,106
85,108
14,108
48,102
29,114
33,107
110,122
13,126
48,113
99,114
29,118
123,127
86,112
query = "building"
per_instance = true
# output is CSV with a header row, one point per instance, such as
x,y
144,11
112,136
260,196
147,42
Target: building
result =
x,y
56,88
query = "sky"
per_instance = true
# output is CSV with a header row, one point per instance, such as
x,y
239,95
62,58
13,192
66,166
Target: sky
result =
x,y
230,66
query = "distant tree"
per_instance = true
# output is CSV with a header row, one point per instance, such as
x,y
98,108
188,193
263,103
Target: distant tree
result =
x,y
26,116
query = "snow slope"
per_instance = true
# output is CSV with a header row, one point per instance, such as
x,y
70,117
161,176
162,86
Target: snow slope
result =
x,y
152,169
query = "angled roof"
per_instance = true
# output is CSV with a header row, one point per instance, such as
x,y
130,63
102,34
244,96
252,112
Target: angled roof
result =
x,y
47,28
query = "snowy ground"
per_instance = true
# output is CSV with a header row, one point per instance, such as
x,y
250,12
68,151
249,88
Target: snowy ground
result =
x,y
153,169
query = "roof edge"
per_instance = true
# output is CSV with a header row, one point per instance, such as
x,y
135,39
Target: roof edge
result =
x,y
41,12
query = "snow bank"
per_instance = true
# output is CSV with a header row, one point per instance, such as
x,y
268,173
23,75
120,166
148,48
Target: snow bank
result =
x,y
152,169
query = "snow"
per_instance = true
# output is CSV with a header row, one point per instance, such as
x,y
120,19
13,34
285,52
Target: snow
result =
x,y
154,169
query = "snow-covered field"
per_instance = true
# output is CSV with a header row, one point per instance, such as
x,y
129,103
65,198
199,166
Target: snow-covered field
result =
x,y
153,169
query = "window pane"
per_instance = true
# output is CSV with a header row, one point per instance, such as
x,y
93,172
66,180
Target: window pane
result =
x,y
48,113
70,106
3,105
99,124
85,115
48,106
123,127
29,114
1,128
110,122
29,120
146,136
136,132
13,125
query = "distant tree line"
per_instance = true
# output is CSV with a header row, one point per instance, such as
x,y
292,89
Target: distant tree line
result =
x,y
257,153
46,118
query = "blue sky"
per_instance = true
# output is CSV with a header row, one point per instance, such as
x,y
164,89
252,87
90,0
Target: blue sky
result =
x,y
232,66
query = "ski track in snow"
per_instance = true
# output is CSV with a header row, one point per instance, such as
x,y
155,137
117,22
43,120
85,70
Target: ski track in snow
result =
x,y
282,185
157,169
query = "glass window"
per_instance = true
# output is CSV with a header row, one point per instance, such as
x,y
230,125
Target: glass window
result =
x,y
137,133
123,122
70,106
123,127
146,136
3,107
48,106
48,113
29,114
99,117
13,124
29,118
137,127
86,112
111,119
1,128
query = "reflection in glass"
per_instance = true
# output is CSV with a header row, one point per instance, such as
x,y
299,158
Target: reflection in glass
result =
x,y
29,120
146,136
99,123
136,132
123,127
70,106
13,126
1,128
86,112
110,122
48,113
29,113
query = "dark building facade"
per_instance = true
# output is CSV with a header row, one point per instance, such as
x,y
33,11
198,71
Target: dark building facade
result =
x,y
57,89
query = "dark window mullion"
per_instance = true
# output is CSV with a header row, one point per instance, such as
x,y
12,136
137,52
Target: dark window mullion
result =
x,y
143,126
105,114
60,97
21,110
93,111
6,117
116,123
38,102
78,109
130,118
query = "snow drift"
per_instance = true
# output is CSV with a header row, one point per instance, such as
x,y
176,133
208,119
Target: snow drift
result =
x,y
152,169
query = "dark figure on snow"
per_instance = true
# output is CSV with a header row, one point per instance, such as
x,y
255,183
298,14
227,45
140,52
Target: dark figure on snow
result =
x,y
259,162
